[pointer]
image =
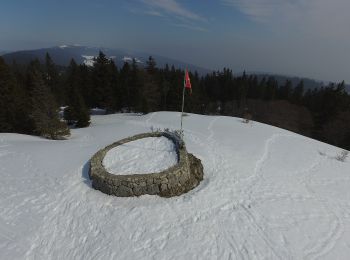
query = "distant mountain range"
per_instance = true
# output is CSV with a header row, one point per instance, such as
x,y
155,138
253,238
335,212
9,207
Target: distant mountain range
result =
x,y
62,55
308,83
281,79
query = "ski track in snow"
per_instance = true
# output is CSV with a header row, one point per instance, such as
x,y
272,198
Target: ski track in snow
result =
x,y
320,248
326,243
223,218
249,219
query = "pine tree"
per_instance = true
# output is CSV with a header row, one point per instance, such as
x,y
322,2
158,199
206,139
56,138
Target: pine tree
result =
x,y
253,87
165,87
135,86
22,122
86,86
151,66
298,92
83,118
44,110
116,102
102,78
284,91
243,90
262,88
52,79
7,99
150,100
125,85
76,113
271,88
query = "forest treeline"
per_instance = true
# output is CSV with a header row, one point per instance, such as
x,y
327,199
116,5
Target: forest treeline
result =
x,y
30,97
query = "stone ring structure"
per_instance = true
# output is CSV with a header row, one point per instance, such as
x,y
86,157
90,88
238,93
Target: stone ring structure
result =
x,y
174,181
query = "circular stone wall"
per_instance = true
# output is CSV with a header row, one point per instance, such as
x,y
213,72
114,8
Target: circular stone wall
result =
x,y
174,181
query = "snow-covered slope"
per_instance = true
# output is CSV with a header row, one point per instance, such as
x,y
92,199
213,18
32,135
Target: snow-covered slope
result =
x,y
266,194
88,60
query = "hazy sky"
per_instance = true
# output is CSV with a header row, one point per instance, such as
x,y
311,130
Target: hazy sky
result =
x,y
295,37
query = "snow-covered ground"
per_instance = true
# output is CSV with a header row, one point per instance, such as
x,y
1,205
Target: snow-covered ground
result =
x,y
267,194
98,111
130,59
146,155
88,60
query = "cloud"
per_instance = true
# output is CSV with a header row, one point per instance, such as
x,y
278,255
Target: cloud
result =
x,y
173,13
311,35
191,27
172,8
323,18
153,13
147,12
264,10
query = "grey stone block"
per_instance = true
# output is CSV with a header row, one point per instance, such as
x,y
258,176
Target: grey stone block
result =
x,y
124,191
153,189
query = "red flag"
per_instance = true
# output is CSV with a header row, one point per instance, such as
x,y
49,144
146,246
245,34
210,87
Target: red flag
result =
x,y
187,82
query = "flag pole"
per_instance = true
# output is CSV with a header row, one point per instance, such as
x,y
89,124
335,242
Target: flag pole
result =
x,y
187,84
182,110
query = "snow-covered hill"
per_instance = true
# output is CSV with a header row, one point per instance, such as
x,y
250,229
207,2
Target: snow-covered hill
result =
x,y
267,194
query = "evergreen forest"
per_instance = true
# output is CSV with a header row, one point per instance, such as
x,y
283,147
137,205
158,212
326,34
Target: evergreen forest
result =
x,y
32,97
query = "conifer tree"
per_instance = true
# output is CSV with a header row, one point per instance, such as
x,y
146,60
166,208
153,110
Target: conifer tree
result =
x,y
298,92
44,110
125,85
175,80
151,65
271,88
52,79
22,122
135,85
150,93
284,91
165,87
253,91
262,88
7,99
116,102
243,90
76,113
86,86
102,78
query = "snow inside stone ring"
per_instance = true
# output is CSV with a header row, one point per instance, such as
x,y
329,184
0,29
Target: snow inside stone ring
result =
x,y
152,163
